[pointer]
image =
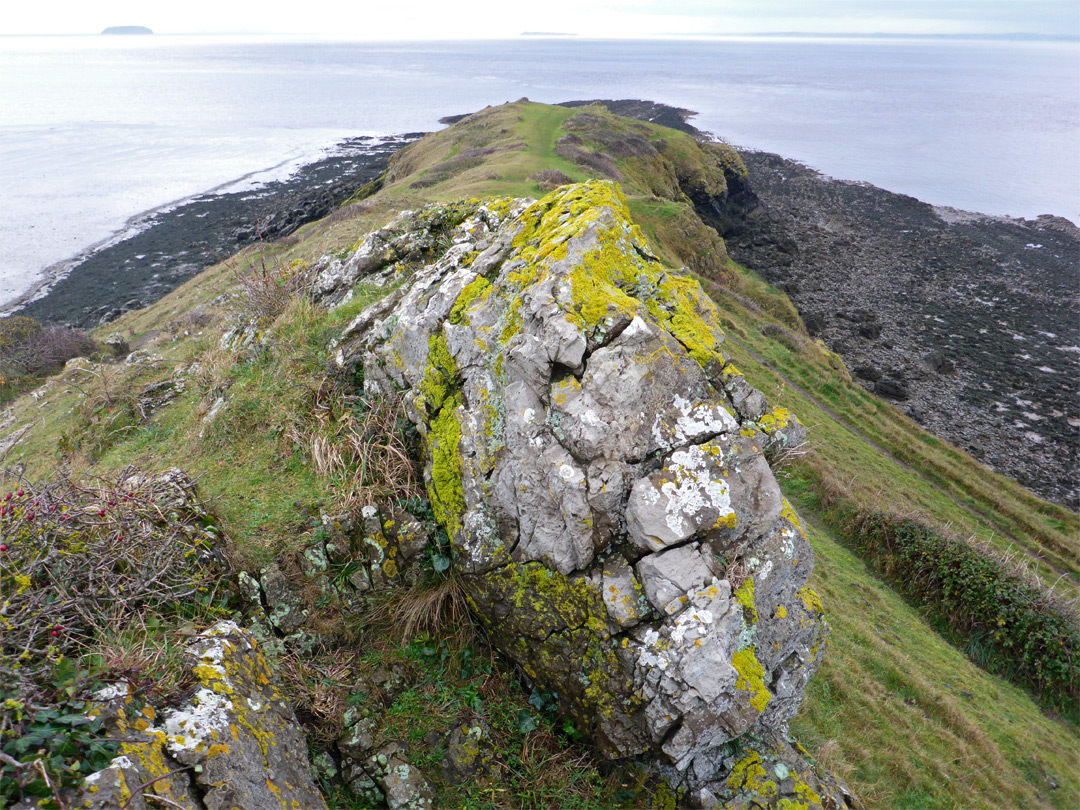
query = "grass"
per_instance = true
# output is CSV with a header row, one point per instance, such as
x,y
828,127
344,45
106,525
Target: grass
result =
x,y
904,715
909,719
884,458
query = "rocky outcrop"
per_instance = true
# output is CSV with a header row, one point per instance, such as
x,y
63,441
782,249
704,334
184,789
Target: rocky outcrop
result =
x,y
603,475
235,743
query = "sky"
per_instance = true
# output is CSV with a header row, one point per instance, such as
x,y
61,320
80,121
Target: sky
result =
x,y
479,19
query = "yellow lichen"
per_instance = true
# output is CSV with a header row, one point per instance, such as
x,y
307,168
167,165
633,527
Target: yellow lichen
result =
x,y
749,775
751,677
744,594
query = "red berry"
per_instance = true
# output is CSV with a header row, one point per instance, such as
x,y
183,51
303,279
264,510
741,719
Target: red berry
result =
x,y
29,515
52,507
20,493
101,513
3,546
54,633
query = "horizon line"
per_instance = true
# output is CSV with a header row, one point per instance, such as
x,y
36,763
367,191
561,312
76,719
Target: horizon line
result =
x,y
532,35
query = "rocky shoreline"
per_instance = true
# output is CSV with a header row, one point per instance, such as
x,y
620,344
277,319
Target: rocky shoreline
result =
x,y
177,243
968,323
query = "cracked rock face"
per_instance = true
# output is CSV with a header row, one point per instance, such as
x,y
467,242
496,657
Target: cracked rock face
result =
x,y
601,471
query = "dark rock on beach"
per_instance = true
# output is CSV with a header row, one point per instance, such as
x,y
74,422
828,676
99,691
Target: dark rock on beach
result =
x,y
969,323
179,242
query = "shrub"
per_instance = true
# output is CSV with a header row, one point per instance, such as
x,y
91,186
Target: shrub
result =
x,y
266,291
550,179
77,561
28,349
1027,636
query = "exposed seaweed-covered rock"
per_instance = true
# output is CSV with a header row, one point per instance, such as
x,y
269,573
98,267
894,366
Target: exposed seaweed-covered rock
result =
x,y
235,744
601,472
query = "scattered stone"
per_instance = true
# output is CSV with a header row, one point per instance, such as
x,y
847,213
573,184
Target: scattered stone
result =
x,y
867,372
938,362
982,312
403,784
117,344
286,605
894,389
468,753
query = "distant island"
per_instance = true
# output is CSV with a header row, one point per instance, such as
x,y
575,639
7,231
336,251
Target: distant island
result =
x,y
127,29
546,34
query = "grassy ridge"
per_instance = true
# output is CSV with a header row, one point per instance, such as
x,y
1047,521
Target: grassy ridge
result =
x,y
907,718
904,715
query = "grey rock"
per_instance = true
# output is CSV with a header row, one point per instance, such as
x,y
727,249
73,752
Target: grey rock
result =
x,y
358,740
404,786
117,344
600,469
285,603
237,736
894,389
468,752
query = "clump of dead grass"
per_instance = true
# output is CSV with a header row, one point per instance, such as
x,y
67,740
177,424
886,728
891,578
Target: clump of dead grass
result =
x,y
360,443
424,609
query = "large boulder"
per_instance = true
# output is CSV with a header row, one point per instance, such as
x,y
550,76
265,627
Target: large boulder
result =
x,y
602,473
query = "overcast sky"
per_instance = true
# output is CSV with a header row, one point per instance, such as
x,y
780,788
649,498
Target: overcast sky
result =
x,y
423,19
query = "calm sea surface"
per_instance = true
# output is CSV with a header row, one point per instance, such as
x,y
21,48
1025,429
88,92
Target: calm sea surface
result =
x,y
97,130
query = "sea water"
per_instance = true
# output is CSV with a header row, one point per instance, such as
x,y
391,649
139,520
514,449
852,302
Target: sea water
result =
x,y
95,131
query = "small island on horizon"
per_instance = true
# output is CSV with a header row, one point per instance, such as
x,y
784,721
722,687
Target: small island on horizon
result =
x,y
127,29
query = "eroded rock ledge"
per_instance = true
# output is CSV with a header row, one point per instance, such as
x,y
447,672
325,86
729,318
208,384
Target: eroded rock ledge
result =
x,y
603,475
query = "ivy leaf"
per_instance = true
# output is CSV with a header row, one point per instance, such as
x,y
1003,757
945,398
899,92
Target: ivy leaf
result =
x,y
526,722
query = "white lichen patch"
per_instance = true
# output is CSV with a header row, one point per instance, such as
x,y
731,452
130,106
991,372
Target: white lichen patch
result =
x,y
190,728
693,421
111,692
672,505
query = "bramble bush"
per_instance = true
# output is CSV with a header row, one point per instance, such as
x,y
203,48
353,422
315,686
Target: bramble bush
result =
x,y
265,290
78,561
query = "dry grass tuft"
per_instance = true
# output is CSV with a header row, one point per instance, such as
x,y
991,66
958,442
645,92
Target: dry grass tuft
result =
x,y
424,610
140,652
319,689
362,447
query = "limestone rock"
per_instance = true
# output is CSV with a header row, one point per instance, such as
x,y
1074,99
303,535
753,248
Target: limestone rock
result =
x,y
468,752
403,784
117,344
237,736
602,473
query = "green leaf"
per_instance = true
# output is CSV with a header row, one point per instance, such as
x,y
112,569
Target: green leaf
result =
x,y
526,722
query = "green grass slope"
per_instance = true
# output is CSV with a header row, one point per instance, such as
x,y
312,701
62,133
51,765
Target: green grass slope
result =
x,y
899,708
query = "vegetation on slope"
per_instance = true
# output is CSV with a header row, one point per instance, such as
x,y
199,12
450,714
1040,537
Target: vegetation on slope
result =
x,y
897,710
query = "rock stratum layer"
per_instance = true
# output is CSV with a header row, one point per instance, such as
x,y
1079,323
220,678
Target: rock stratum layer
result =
x,y
602,474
